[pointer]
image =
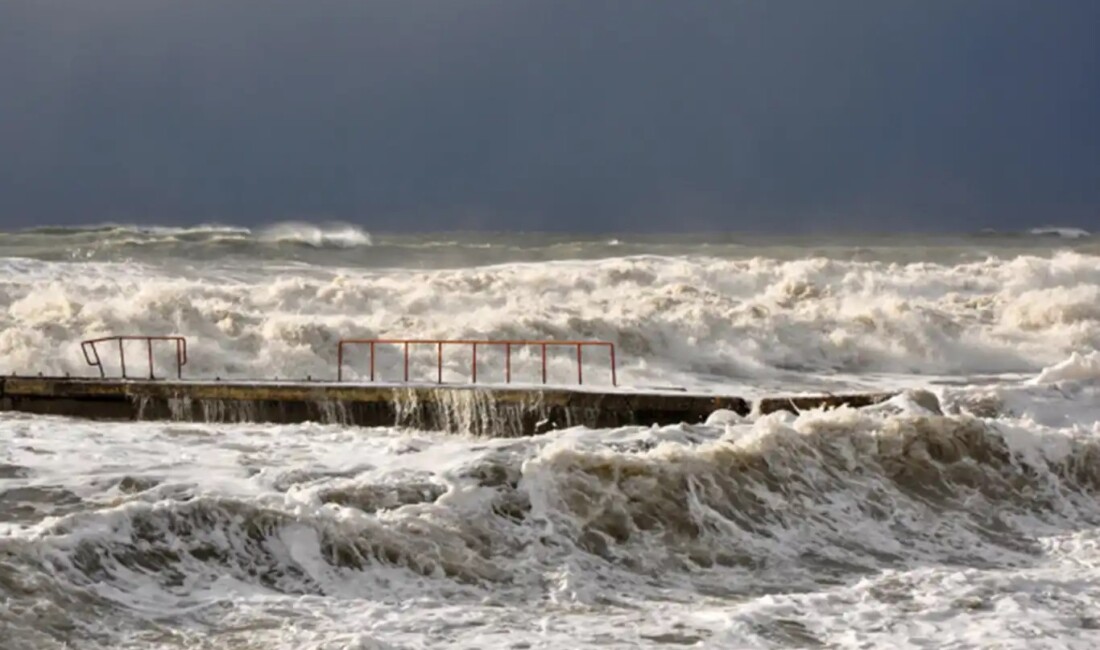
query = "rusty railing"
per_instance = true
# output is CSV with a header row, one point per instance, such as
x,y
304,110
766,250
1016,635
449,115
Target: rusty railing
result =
x,y
507,344
94,360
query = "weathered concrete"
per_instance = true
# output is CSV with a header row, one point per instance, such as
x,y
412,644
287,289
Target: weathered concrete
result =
x,y
496,410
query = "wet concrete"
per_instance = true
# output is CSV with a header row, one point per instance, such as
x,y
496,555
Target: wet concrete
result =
x,y
483,410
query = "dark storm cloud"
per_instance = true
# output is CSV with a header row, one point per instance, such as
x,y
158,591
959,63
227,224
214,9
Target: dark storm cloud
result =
x,y
572,114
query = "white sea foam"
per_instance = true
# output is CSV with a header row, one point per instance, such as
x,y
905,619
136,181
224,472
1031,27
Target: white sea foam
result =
x,y
1079,367
837,528
677,321
968,520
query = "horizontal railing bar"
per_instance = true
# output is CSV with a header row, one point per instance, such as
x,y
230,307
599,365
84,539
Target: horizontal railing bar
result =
x,y
477,341
472,342
136,338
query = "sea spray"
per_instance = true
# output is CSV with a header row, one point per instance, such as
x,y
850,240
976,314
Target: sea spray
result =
x,y
699,321
968,520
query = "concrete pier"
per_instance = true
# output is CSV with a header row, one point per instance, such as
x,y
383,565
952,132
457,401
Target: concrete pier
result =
x,y
483,410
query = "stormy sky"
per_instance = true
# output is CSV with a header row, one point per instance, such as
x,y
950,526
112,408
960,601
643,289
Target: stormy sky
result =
x,y
769,115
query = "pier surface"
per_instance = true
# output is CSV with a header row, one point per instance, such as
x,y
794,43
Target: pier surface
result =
x,y
484,410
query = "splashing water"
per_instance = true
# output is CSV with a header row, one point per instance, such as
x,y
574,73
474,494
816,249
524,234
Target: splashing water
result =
x,y
971,524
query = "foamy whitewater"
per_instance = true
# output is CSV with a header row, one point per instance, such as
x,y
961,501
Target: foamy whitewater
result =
x,y
968,521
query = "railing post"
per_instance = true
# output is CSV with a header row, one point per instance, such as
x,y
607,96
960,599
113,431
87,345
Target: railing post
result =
x,y
406,361
475,363
98,363
94,359
340,361
372,360
580,377
507,363
614,379
544,363
439,362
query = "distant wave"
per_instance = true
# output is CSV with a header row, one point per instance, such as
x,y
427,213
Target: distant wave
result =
x,y
134,229
331,235
334,235
1065,233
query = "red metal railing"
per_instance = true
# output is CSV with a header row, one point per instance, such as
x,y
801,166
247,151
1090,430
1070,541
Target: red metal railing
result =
x,y
508,345
94,360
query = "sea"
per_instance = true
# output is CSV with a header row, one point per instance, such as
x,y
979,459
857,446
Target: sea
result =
x,y
962,513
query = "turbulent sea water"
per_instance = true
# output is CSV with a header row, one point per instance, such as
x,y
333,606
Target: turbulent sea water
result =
x,y
971,523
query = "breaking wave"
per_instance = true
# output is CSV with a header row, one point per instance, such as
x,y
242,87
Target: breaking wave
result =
x,y
967,518
331,236
698,321
1065,233
729,512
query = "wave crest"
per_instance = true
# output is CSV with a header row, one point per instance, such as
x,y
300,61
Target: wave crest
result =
x,y
701,322
799,501
325,235
787,495
334,235
1063,232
